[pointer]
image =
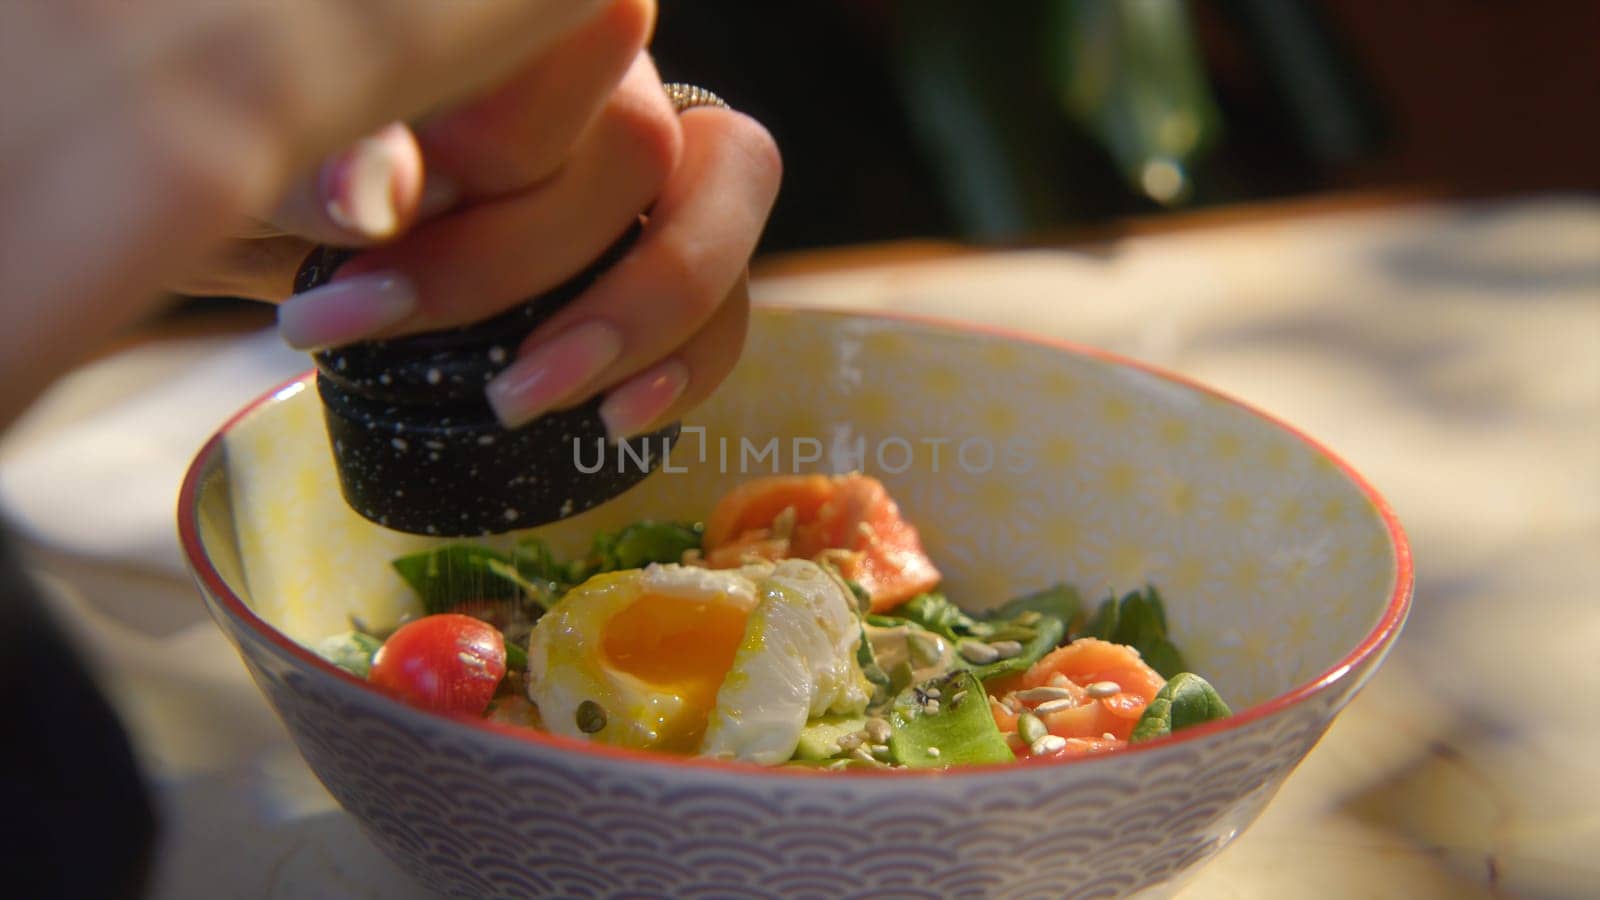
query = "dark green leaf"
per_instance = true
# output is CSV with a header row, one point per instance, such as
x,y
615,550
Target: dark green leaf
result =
x,y
1058,600
1038,621
1139,620
1048,633
643,543
1185,701
451,575
963,732
638,545
937,614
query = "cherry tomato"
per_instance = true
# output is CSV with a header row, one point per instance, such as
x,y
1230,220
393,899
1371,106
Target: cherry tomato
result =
x,y
448,663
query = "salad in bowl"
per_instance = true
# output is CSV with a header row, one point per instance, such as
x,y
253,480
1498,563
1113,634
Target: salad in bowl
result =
x,y
691,691
801,625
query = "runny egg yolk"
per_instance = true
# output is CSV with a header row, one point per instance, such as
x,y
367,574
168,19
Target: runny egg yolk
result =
x,y
677,647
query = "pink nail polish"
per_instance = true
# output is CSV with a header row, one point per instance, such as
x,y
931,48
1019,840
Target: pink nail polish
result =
x,y
359,185
551,372
346,310
643,399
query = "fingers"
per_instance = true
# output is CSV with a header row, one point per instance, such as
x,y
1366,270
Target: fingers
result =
x,y
519,246
361,195
374,190
667,289
493,146
650,399
258,269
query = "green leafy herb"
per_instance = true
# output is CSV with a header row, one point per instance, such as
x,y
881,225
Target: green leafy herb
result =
x,y
953,729
450,575
351,651
1058,600
640,544
1038,621
1139,620
1047,635
937,614
1187,699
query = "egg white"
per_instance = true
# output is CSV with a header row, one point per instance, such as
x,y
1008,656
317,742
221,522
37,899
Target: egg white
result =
x,y
567,664
798,660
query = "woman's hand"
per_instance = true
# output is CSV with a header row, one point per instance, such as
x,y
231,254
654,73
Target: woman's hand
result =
x,y
476,209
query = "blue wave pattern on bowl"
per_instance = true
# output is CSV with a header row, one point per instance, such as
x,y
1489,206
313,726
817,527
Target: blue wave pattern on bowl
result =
x,y
504,818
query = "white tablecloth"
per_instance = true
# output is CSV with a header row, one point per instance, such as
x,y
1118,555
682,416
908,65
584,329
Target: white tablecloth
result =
x,y
1452,354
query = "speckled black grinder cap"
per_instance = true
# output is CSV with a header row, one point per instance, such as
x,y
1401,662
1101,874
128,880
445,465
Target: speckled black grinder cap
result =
x,y
418,448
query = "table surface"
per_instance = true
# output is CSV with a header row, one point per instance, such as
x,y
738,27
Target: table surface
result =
x,y
1450,352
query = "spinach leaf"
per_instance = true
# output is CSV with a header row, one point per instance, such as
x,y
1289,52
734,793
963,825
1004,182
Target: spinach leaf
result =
x,y
1037,621
1187,699
447,576
1046,635
1057,600
937,614
1139,620
953,730
637,545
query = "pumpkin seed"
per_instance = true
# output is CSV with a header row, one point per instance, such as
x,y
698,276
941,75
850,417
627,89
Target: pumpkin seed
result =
x,y
1030,728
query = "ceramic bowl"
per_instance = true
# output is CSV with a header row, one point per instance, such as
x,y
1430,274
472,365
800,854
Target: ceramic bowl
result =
x,y
1023,462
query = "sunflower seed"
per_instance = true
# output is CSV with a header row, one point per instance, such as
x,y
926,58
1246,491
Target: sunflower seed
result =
x,y
591,717
1050,706
1050,743
1058,680
934,692
1030,728
977,652
931,708
956,700
878,730
1104,689
1041,694
1006,649
848,742
933,752
863,753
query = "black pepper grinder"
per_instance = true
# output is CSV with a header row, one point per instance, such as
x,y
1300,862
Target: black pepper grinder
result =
x,y
418,448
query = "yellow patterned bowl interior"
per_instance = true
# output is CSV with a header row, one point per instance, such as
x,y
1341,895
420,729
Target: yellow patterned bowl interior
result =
x,y
1023,463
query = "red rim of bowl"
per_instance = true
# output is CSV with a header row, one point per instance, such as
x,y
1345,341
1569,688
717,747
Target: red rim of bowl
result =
x,y
1378,638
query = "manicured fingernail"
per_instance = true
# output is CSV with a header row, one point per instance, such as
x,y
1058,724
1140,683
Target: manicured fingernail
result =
x,y
643,399
550,373
359,185
346,310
